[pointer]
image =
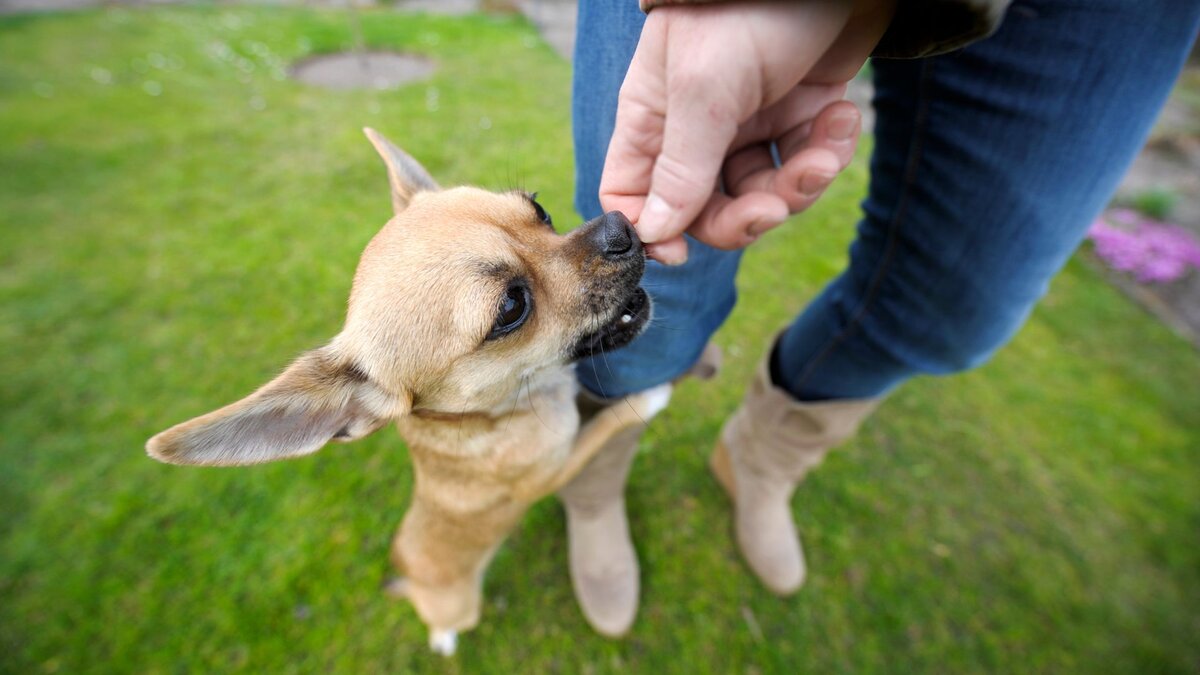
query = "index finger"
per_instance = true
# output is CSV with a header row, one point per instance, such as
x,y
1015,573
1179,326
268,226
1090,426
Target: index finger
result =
x,y
637,132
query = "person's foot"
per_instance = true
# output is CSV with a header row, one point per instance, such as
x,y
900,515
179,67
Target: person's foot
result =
x,y
604,567
603,562
763,526
766,448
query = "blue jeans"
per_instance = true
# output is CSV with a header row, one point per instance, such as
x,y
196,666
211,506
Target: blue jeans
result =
x,y
989,165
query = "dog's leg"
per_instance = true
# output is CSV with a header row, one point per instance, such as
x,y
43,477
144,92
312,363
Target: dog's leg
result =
x,y
442,641
641,408
443,556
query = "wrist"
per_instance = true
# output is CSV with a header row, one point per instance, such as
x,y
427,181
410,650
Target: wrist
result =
x,y
869,20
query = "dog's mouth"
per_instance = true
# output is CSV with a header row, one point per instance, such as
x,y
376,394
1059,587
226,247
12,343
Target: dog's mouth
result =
x,y
627,323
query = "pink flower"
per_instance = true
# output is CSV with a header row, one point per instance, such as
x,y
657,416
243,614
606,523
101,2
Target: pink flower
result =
x,y
1124,216
1154,252
1161,270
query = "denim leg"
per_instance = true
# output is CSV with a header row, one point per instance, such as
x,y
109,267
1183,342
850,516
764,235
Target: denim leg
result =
x,y
606,35
989,165
690,301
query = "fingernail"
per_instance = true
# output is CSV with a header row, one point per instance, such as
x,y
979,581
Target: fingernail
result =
x,y
666,255
652,224
841,127
759,227
815,181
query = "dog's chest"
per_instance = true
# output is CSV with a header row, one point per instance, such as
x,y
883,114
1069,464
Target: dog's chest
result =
x,y
492,456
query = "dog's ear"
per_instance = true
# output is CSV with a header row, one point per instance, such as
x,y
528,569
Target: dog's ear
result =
x,y
406,174
318,399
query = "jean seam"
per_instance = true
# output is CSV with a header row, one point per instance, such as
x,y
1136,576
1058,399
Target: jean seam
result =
x,y
910,179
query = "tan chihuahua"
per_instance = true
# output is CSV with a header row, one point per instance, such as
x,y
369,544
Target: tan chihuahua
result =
x,y
466,312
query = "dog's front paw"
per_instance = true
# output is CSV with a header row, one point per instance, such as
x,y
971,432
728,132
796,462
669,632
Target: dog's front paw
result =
x,y
650,402
443,642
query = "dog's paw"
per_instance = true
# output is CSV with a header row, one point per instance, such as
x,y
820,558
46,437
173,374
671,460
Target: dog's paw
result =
x,y
443,642
396,587
652,401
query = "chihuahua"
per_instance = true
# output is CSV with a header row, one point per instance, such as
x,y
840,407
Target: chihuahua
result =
x,y
466,313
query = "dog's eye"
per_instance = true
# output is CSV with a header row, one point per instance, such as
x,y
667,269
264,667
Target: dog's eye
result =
x,y
513,311
541,213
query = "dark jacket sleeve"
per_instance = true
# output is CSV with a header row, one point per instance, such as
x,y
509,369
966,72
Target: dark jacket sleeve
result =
x,y
920,27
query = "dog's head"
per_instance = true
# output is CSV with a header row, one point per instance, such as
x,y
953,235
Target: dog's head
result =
x,y
461,298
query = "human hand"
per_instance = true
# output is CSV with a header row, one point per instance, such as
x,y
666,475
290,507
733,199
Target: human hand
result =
x,y
709,88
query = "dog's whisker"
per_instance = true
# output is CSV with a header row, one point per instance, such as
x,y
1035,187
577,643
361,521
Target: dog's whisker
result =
x,y
607,366
634,410
592,360
533,407
512,413
604,356
662,324
461,416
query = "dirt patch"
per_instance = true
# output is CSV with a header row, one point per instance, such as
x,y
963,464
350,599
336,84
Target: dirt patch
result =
x,y
362,70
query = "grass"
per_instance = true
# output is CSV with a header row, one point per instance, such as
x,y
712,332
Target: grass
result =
x,y
168,246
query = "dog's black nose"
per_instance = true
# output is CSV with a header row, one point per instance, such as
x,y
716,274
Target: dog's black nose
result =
x,y
612,234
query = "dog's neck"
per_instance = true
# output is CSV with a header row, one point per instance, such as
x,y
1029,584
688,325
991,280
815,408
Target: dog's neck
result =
x,y
545,401
557,381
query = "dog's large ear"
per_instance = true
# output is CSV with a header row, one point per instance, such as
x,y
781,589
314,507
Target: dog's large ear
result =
x,y
318,399
406,174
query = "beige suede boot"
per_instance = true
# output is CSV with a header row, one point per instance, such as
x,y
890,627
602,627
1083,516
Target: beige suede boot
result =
x,y
603,563
604,567
764,451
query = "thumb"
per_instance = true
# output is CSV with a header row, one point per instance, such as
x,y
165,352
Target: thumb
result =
x,y
697,131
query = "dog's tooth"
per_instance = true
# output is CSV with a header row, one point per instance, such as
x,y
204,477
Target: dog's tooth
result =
x,y
625,318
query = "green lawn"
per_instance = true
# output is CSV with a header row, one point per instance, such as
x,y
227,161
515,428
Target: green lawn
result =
x,y
177,220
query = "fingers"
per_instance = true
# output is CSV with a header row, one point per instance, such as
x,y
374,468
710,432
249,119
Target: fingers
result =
x,y
805,177
813,154
836,129
811,164
687,101
799,182
725,223
672,251
629,163
795,111
696,138
762,195
750,169
729,223
700,94
637,134
827,144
